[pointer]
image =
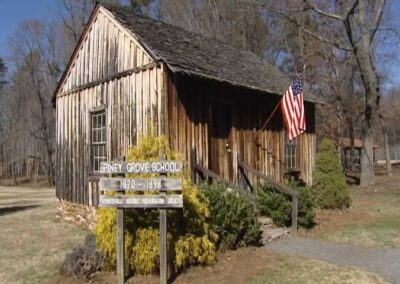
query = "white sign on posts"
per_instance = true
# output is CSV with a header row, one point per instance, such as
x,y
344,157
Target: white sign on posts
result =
x,y
158,167
124,187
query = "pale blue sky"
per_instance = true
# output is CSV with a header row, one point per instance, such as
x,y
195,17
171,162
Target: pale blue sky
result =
x,y
13,12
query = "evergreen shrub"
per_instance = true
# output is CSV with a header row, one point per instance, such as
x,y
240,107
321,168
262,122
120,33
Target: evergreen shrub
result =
x,y
329,189
278,206
232,217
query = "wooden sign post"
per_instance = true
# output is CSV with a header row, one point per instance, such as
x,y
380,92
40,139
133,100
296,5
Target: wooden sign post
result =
x,y
163,201
163,241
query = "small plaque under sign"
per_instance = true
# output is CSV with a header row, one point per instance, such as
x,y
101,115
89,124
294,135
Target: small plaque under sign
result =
x,y
142,201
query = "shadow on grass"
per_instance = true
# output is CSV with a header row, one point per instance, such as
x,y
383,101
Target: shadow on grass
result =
x,y
14,209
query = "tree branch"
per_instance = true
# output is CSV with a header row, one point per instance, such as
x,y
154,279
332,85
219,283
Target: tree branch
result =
x,y
324,13
351,10
335,44
307,31
378,19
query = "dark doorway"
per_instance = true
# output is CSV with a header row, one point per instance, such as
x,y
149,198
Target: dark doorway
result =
x,y
220,121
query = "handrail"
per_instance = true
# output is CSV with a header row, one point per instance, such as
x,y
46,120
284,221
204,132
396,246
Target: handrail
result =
x,y
208,173
280,187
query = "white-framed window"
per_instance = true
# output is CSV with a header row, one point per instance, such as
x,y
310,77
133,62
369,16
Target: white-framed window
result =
x,y
291,154
98,138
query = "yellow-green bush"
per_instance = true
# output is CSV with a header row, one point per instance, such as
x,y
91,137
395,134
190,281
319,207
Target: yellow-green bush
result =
x,y
190,238
145,251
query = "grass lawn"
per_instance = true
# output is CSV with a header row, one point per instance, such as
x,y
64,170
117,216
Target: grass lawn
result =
x,y
372,220
382,232
32,243
302,270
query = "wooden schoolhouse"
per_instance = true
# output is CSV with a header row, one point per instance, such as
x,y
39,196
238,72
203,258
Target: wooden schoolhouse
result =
x,y
130,76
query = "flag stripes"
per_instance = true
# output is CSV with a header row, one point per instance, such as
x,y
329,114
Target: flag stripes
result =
x,y
292,106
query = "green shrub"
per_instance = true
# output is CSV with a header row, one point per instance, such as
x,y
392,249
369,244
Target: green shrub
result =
x,y
278,206
190,238
274,204
329,189
306,210
232,217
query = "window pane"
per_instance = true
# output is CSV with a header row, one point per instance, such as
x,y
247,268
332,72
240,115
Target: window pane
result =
x,y
103,120
101,151
98,135
104,134
290,154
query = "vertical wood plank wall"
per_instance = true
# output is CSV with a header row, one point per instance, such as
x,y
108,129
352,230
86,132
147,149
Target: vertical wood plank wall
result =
x,y
131,103
189,103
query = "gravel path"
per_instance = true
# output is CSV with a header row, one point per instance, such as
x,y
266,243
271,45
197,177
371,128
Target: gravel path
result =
x,y
383,261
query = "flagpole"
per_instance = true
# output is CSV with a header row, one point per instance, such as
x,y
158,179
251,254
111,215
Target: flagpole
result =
x,y
270,116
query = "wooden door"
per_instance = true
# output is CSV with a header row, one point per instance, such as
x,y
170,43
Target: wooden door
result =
x,y
220,121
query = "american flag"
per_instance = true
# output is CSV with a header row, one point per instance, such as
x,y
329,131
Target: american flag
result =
x,y
292,106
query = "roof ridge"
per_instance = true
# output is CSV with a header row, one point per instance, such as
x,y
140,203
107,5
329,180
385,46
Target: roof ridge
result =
x,y
125,9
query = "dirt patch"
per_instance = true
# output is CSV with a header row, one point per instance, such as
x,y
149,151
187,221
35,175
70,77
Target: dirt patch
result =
x,y
238,266
261,265
251,265
328,221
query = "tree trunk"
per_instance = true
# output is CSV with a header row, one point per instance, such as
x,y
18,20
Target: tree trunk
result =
x,y
367,164
386,145
351,137
371,85
339,131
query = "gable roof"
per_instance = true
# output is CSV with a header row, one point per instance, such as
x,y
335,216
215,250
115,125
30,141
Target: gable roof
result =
x,y
192,54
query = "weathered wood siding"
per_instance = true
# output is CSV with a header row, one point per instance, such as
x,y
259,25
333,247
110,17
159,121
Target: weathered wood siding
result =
x,y
134,103
106,49
190,104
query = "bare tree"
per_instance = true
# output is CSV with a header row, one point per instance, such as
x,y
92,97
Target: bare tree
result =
x,y
234,22
359,21
35,53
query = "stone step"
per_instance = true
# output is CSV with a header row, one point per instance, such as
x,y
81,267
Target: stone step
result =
x,y
265,221
272,234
